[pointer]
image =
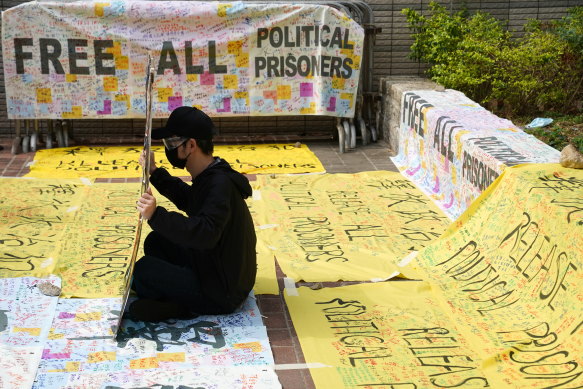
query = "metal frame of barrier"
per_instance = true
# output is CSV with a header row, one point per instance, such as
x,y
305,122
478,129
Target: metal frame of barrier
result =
x,y
366,120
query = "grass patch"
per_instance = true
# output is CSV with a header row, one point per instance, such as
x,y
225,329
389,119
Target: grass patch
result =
x,y
563,130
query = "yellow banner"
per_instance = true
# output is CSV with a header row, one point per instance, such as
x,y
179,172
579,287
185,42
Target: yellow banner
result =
x,y
350,227
95,251
510,271
383,335
122,161
33,216
266,281
83,233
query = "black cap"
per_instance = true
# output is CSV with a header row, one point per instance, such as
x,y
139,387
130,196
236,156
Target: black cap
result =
x,y
185,121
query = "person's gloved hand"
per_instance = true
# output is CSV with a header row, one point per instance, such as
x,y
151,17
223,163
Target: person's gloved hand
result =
x,y
147,204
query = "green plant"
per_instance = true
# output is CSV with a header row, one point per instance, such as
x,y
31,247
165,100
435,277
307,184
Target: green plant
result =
x,y
436,37
565,129
578,143
474,54
532,75
570,29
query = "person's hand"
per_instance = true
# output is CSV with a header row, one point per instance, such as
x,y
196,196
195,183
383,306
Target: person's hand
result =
x,y
147,204
152,161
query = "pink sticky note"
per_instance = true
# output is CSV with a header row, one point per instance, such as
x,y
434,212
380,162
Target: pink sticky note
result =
x,y
226,105
207,79
66,315
174,102
306,89
57,77
106,108
332,104
47,355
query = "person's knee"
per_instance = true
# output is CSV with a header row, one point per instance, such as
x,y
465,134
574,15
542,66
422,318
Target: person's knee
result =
x,y
143,277
143,266
152,242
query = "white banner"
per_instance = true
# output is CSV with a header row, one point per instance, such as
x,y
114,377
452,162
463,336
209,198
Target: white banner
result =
x,y
87,59
453,148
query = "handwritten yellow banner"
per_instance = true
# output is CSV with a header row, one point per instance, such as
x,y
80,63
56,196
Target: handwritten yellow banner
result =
x,y
350,227
120,161
83,233
33,215
383,335
510,271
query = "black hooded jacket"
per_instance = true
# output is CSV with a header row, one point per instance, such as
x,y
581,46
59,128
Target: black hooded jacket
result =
x,y
219,230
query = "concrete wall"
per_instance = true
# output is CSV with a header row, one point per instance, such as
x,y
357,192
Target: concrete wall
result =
x,y
391,52
392,90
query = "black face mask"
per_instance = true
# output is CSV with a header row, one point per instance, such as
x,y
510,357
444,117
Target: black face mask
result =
x,y
172,156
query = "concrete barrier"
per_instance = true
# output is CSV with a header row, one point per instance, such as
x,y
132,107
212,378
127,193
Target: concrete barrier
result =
x,y
452,147
393,89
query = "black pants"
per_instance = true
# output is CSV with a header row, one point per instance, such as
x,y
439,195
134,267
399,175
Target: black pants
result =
x,y
165,273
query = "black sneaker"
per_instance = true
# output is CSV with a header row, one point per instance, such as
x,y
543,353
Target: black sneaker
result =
x,y
154,310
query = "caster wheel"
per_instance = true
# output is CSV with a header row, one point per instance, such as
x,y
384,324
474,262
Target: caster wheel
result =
x,y
373,133
348,141
16,145
364,134
33,142
25,144
60,140
49,141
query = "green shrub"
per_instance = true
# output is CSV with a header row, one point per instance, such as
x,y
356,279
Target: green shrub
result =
x,y
532,74
541,70
570,29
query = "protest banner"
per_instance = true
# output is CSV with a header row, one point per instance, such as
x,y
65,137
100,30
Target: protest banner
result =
x,y
73,60
453,148
80,347
383,335
351,227
510,271
122,161
25,319
93,254
33,215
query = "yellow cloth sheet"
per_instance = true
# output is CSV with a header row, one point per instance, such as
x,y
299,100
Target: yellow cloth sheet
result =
x,y
122,161
510,271
383,335
83,233
33,215
350,227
